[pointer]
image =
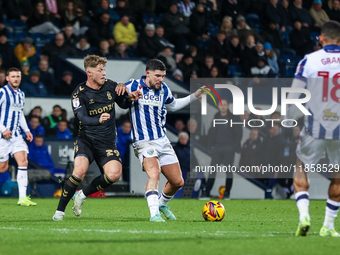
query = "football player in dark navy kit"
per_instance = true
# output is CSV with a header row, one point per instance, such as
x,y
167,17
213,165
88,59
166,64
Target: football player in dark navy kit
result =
x,y
93,103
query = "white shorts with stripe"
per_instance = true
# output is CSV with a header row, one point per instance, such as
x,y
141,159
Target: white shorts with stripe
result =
x,y
11,146
160,148
310,150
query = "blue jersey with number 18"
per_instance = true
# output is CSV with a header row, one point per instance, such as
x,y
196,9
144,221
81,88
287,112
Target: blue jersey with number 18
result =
x,y
321,72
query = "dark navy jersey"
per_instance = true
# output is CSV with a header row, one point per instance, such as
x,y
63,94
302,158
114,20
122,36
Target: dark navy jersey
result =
x,y
88,104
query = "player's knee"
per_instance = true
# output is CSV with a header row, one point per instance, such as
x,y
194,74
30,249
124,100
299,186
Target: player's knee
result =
x,y
114,176
154,174
178,183
3,167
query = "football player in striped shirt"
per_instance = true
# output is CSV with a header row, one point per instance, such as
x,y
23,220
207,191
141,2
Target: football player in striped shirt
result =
x,y
152,147
12,121
319,72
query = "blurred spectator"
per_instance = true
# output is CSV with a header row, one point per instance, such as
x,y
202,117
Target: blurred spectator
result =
x,y
73,15
259,122
83,48
40,21
3,81
179,125
232,8
249,55
251,150
224,141
227,26
297,12
51,121
70,38
273,36
271,58
182,150
62,131
188,68
120,51
261,69
104,49
123,140
300,39
56,48
36,111
274,13
286,11
205,69
185,7
243,31
25,70
199,23
166,57
148,43
194,132
104,6
39,153
7,55
235,51
47,77
124,31
34,87
25,49
163,41
122,10
66,87
220,50
100,28
35,126
318,14
215,72
177,29
333,11
18,9
178,75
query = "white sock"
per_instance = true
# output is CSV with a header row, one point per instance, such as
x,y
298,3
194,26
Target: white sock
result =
x,y
22,181
81,194
332,209
302,202
63,213
152,198
164,199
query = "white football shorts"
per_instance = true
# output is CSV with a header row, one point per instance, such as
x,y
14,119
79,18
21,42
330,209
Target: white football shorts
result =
x,y
11,146
310,149
160,148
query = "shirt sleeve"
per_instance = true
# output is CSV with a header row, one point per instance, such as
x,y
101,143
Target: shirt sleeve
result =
x,y
301,70
80,110
2,118
23,123
180,103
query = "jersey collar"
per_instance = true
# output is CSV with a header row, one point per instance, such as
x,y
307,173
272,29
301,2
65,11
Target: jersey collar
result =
x,y
333,48
142,79
11,89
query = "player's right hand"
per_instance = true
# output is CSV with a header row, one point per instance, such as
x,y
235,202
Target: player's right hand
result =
x,y
7,134
104,117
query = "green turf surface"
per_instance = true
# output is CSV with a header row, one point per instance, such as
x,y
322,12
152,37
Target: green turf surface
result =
x,y
122,226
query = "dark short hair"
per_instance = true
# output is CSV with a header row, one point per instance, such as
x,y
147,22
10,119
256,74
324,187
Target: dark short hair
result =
x,y
12,69
39,136
331,30
155,64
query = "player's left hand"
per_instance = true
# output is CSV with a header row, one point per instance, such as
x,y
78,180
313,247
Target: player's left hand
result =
x,y
29,136
134,96
121,89
200,91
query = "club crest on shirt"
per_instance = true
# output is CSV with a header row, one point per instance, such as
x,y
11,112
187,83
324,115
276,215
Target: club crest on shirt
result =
x,y
109,95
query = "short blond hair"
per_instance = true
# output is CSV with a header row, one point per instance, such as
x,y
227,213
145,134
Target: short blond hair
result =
x,y
92,61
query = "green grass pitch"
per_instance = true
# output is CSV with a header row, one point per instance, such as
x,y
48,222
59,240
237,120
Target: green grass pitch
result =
x,y
121,226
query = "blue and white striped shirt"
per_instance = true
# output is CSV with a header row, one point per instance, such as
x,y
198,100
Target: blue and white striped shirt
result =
x,y
11,111
148,114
